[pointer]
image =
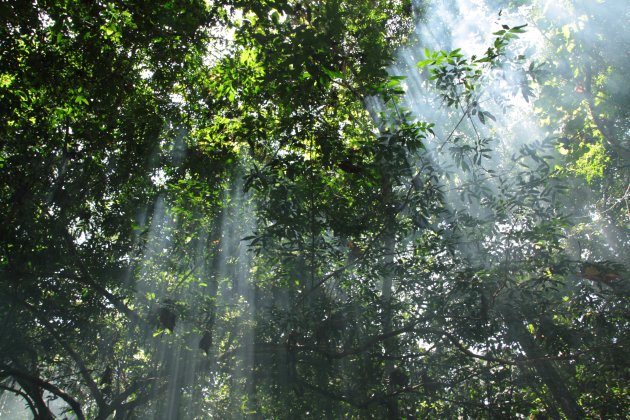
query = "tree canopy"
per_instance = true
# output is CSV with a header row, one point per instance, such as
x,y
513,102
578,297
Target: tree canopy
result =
x,y
292,209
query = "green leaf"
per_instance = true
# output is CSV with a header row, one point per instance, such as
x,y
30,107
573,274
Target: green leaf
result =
x,y
518,29
81,100
332,73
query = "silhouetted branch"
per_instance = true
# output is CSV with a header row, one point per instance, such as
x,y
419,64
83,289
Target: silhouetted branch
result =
x,y
6,370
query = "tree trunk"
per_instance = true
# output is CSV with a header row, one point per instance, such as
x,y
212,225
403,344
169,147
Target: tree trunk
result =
x,y
545,368
389,247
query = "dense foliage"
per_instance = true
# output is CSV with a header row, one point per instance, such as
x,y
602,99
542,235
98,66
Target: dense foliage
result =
x,y
232,209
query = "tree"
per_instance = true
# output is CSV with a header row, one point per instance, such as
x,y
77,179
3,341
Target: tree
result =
x,y
231,209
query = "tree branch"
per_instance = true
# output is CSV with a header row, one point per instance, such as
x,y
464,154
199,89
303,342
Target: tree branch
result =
x,y
7,370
